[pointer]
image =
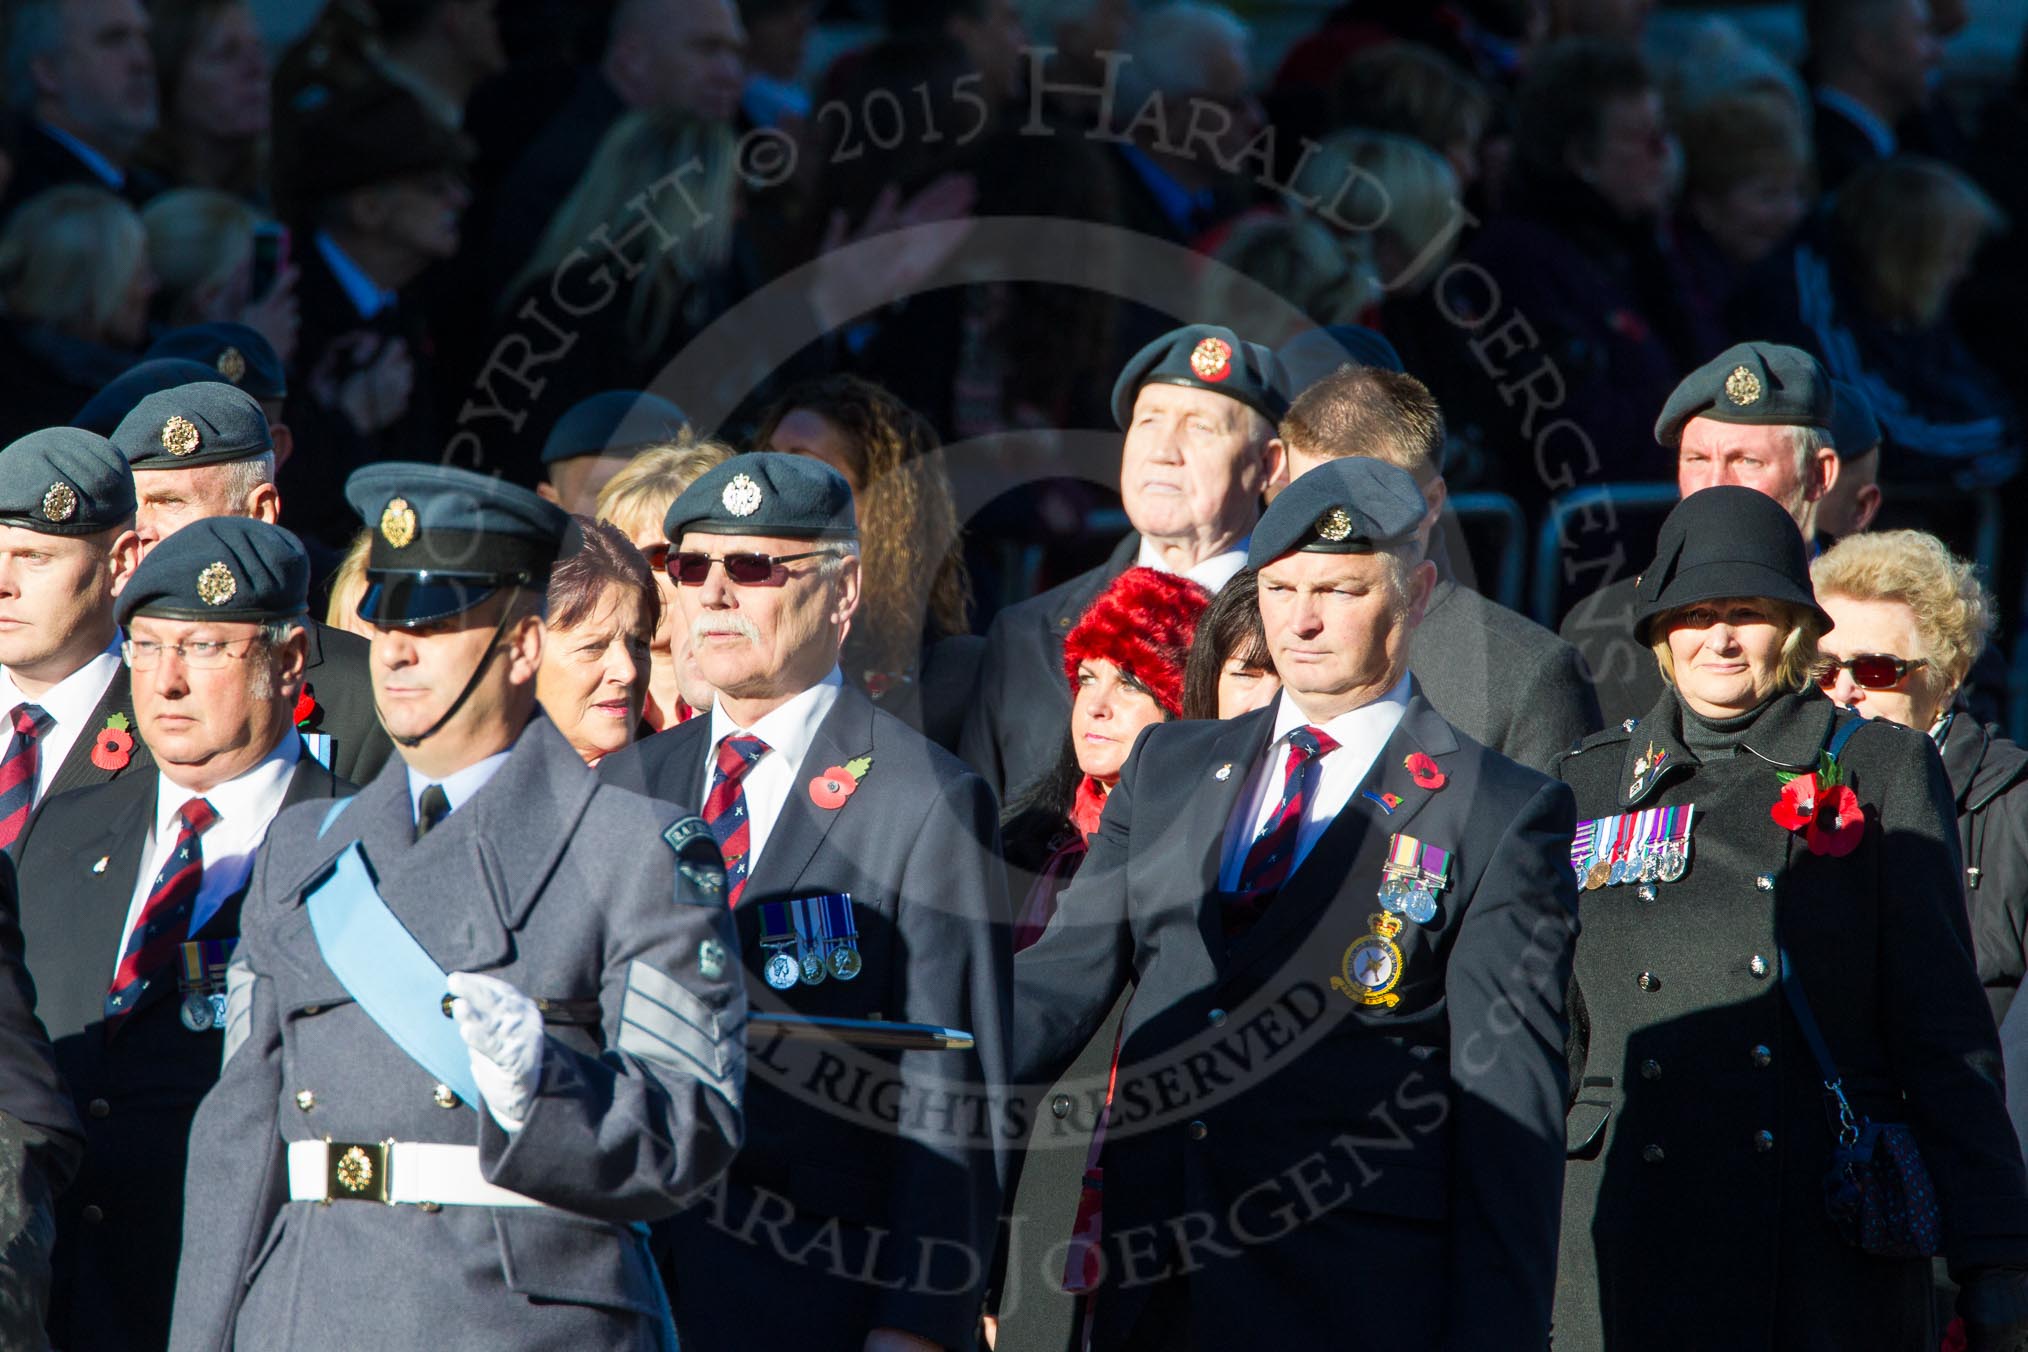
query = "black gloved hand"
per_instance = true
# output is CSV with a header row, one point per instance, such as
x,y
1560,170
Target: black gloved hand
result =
x,y
1994,1304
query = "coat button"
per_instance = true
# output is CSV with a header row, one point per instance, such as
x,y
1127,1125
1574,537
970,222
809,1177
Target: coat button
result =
x,y
1762,1058
1763,1141
1765,882
99,1108
443,1097
1217,1018
1652,1154
93,1214
1651,1070
305,1100
1060,1105
1198,1131
1757,965
313,1009
1649,982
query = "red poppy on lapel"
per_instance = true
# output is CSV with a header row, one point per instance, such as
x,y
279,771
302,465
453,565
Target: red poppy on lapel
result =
x,y
1823,809
839,782
1424,772
308,711
114,745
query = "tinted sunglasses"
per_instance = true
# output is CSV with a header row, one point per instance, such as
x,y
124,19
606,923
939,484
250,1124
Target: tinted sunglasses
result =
x,y
691,567
1873,671
657,557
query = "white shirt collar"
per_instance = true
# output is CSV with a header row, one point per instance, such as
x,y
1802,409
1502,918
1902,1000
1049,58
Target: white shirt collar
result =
x,y
254,796
108,173
790,729
1859,115
1212,574
69,703
1353,727
364,293
459,786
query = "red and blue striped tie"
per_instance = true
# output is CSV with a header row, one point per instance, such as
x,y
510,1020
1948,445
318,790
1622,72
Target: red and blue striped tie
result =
x,y
725,807
164,923
18,771
1272,856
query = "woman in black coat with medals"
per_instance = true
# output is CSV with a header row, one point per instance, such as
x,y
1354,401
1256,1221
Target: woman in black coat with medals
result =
x,y
1746,820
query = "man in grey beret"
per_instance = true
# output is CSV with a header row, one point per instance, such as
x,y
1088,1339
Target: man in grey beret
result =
x,y
862,863
1198,406
241,355
485,1019
1349,929
205,450
1758,415
67,542
131,894
596,437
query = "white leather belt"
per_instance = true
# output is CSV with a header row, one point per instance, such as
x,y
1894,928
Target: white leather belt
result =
x,y
415,1173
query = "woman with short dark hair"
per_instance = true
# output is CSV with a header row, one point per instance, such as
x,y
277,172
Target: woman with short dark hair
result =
x,y
1230,671
603,606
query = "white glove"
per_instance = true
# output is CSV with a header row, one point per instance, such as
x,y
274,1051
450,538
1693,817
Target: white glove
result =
x,y
502,1029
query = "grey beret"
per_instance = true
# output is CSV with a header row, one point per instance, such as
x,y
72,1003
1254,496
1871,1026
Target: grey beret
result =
x,y
1206,357
65,481
614,422
104,410
239,352
1757,384
766,493
221,568
197,424
1854,429
1351,505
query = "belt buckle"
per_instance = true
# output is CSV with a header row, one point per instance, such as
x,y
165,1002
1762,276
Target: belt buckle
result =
x,y
357,1171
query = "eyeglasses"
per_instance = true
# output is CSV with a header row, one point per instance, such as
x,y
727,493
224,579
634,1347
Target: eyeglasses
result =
x,y
657,557
1873,671
198,654
691,567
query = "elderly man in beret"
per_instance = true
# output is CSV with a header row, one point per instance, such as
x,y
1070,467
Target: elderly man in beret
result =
x,y
1760,415
241,355
131,895
1350,930
596,437
66,544
485,1017
206,450
1199,407
863,868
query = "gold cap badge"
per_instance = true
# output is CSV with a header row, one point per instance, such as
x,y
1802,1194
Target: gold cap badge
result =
x,y
1335,525
397,523
1742,387
742,497
179,436
231,364
216,584
1211,359
60,502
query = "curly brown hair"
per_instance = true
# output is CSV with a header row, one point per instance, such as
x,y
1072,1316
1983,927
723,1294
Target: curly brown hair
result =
x,y
913,582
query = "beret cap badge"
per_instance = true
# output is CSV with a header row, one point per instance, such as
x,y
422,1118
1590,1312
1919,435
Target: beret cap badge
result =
x,y
742,496
232,364
397,523
1334,525
59,504
1211,359
1742,387
216,584
179,436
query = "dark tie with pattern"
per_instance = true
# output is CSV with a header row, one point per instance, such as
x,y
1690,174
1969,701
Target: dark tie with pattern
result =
x,y
432,805
18,771
725,807
164,922
1273,853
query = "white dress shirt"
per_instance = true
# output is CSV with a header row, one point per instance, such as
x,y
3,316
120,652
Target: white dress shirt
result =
x,y
246,807
69,702
1212,574
788,731
366,295
1360,735
459,787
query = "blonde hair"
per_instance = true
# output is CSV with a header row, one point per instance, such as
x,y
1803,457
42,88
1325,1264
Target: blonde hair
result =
x,y
1953,610
1387,188
67,257
1737,136
1323,274
1795,669
638,497
348,584
1910,223
197,237
673,169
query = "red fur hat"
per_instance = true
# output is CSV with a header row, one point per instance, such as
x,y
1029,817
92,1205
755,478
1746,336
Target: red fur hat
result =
x,y
1142,624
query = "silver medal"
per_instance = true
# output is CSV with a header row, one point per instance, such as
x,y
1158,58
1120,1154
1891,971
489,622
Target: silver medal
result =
x,y
196,1013
782,970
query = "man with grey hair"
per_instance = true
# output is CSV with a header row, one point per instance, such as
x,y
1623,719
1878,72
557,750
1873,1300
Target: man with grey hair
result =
x,y
82,77
1759,415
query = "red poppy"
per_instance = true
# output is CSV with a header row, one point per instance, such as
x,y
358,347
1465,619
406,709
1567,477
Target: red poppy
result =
x,y
112,749
307,709
1797,806
1424,772
1831,819
830,789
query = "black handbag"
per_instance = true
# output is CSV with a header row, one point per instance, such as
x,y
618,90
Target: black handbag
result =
x,y
1878,1192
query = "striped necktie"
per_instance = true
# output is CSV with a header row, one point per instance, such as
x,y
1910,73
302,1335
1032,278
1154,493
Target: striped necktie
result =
x,y
725,807
164,922
1271,858
19,770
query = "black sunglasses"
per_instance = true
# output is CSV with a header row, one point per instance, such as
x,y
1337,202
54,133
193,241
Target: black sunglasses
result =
x,y
1874,671
691,567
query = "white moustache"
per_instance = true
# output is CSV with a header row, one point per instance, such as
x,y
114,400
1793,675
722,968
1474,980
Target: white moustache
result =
x,y
708,625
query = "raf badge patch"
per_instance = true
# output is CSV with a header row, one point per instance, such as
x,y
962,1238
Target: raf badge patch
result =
x,y
216,584
179,436
1335,525
1742,387
232,365
742,496
1211,359
697,857
397,523
1371,967
59,504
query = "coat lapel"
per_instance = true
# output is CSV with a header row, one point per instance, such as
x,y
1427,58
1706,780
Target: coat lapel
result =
x,y
102,904
77,769
800,828
1208,819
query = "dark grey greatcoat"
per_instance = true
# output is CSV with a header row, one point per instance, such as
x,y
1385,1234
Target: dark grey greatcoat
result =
x,y
868,1190
120,1223
1989,779
1693,1213
563,887
1315,1171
